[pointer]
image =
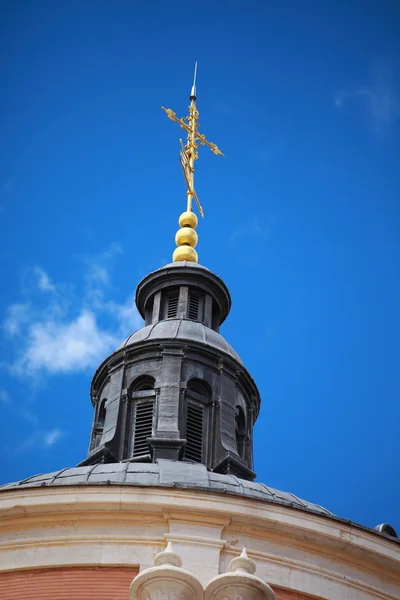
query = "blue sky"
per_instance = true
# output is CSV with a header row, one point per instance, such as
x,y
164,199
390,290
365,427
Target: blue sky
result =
x,y
302,220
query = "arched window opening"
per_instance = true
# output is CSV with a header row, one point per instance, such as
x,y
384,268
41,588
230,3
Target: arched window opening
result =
x,y
143,383
199,388
99,424
102,412
143,411
194,431
197,396
240,431
142,401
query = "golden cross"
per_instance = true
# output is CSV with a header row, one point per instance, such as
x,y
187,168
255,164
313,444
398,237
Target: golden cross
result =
x,y
188,152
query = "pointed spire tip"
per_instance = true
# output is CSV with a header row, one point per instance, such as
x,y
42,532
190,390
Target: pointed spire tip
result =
x,y
193,91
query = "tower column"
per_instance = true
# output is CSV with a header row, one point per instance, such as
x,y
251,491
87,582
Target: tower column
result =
x,y
166,442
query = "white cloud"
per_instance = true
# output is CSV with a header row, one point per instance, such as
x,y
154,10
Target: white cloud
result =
x,y
51,437
60,347
44,281
64,332
127,314
99,274
18,315
40,439
98,267
379,100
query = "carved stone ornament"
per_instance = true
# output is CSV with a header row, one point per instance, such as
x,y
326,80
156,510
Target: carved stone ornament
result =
x,y
166,581
240,583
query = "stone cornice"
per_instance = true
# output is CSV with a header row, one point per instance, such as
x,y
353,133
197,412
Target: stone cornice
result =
x,y
260,519
124,525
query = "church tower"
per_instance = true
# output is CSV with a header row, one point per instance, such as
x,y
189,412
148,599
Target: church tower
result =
x,y
176,389
164,506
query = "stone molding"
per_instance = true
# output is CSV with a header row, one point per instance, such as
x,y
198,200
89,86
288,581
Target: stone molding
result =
x,y
109,525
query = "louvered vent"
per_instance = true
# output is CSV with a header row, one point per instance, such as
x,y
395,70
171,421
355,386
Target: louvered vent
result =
x,y
172,306
143,427
194,305
194,432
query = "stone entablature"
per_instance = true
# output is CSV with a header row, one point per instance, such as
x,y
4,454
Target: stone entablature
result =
x,y
293,550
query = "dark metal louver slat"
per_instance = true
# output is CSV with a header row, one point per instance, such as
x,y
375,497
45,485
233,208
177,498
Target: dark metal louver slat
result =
x,y
172,308
194,304
143,427
193,425
194,432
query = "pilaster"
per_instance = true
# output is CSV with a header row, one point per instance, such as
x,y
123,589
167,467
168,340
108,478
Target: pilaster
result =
x,y
166,442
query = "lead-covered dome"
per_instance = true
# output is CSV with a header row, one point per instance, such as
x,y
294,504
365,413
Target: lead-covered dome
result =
x,y
181,329
166,473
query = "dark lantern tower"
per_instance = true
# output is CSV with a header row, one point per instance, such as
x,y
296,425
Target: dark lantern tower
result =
x,y
176,389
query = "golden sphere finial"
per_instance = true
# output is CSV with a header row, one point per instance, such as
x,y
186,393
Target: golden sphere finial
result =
x,y
186,237
185,253
188,219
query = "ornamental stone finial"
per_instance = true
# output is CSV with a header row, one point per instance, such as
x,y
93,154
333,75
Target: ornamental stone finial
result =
x,y
242,564
240,583
165,580
168,558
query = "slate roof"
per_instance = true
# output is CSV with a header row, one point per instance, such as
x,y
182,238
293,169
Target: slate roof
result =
x,y
181,329
165,473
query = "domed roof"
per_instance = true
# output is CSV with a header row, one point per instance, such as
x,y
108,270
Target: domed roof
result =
x,y
181,329
183,263
165,473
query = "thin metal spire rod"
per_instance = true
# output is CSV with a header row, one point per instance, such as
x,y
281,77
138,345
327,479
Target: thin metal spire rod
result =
x,y
195,73
193,92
